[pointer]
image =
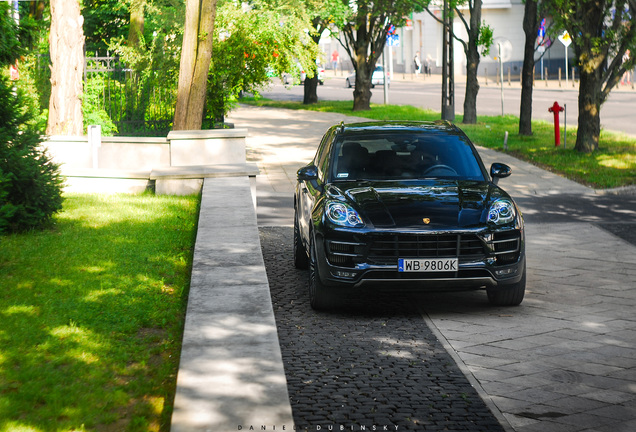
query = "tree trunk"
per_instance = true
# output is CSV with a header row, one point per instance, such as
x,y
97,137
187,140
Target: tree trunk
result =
x,y
66,44
311,84
311,90
530,28
362,91
196,53
136,27
589,127
136,106
472,65
472,86
364,72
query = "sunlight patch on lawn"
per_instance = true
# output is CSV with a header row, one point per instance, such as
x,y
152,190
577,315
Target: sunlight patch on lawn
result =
x,y
626,161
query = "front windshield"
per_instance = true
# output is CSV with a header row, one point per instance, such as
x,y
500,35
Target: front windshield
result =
x,y
401,156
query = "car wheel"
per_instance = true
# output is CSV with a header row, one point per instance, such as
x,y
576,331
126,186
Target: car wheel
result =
x,y
321,82
321,297
301,260
348,83
511,296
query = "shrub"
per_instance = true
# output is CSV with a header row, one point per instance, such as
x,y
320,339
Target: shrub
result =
x,y
30,183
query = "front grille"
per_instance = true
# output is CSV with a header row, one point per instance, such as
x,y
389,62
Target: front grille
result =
x,y
387,248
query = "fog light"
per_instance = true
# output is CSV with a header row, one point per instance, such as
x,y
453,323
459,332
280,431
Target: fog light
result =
x,y
345,274
506,272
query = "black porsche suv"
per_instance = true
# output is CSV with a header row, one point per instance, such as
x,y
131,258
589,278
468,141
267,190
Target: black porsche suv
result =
x,y
406,205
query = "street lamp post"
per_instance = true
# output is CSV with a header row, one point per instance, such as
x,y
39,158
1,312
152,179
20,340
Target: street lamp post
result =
x,y
448,80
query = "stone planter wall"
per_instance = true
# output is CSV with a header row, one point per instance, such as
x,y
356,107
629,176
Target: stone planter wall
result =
x,y
134,164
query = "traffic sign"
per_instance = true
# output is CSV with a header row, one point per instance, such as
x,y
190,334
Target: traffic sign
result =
x,y
393,40
565,38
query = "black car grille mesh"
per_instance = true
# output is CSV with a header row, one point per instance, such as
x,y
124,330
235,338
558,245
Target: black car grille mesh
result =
x,y
386,249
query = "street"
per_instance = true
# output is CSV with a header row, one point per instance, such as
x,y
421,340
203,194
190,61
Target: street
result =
x,y
617,113
563,360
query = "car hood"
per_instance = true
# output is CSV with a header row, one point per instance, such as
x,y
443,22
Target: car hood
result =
x,y
439,204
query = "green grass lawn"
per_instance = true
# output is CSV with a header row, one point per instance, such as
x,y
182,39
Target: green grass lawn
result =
x,y
92,314
613,165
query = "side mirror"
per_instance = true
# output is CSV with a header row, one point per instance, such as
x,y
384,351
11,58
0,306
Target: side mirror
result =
x,y
307,173
499,171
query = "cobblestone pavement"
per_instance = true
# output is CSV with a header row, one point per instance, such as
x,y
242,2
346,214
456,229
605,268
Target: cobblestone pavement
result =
x,y
374,366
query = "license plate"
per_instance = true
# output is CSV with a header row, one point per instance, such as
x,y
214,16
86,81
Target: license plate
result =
x,y
427,265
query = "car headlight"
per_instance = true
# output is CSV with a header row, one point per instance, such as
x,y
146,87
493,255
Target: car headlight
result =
x,y
342,214
501,212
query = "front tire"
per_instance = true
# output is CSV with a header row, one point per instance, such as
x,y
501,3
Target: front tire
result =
x,y
511,296
301,260
321,297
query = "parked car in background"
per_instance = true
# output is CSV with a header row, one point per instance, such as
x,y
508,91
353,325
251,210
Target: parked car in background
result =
x,y
410,205
376,79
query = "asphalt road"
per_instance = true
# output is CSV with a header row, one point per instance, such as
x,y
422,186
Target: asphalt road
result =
x,y
617,113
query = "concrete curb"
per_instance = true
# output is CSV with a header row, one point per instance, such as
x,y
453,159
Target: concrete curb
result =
x,y
231,374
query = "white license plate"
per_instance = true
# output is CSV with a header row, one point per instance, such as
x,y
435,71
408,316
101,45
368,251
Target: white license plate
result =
x,y
427,265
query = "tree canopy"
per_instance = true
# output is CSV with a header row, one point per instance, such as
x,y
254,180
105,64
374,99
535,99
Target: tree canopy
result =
x,y
604,39
252,45
362,28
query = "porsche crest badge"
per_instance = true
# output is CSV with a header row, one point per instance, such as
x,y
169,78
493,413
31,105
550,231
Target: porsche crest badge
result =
x,y
426,221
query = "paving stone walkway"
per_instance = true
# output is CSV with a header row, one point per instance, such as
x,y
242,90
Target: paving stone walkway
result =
x,y
373,366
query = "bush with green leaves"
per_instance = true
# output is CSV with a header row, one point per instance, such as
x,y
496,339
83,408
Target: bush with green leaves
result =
x,y
30,183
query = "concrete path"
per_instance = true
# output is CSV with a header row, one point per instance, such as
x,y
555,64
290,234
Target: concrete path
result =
x,y
565,360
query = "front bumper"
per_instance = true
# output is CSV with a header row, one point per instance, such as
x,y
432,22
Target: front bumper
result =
x,y
490,259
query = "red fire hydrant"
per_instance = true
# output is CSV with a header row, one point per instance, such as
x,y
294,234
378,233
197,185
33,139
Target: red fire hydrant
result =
x,y
556,109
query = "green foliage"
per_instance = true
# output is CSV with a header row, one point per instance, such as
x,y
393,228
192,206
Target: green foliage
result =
x,y
148,89
603,36
485,38
9,44
104,20
249,46
92,106
30,185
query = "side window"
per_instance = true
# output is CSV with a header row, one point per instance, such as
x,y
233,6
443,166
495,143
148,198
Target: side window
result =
x,y
322,157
